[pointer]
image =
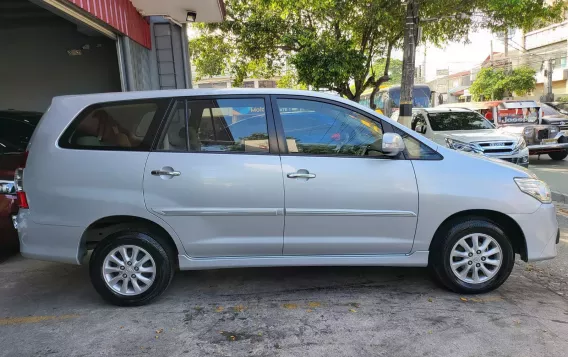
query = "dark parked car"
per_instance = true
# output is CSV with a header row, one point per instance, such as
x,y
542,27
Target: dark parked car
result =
x,y
16,129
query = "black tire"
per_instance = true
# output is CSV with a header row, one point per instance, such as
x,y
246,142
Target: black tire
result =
x,y
160,252
559,155
439,261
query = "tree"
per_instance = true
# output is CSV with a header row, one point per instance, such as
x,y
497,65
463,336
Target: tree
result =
x,y
493,83
333,44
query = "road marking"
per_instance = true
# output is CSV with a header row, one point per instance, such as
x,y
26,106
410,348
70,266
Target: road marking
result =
x,y
33,319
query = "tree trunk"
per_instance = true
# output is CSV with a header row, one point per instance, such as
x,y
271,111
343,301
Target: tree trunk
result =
x,y
383,79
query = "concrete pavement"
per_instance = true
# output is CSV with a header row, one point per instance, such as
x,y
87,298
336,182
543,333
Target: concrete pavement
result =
x,y
51,309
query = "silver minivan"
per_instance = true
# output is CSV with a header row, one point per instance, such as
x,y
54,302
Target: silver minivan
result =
x,y
152,182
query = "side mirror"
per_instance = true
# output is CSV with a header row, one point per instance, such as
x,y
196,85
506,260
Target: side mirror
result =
x,y
420,129
392,144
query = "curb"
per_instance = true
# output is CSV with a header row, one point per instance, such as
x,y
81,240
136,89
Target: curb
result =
x,y
559,197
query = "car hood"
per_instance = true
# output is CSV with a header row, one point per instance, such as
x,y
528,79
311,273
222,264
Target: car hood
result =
x,y
513,169
470,136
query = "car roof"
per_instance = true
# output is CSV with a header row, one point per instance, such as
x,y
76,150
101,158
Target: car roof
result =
x,y
118,96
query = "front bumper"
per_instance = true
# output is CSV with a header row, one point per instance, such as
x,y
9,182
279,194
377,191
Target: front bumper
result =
x,y
546,148
519,158
540,229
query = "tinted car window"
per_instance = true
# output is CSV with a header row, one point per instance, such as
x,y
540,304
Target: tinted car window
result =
x,y
220,125
318,128
458,121
115,126
415,150
15,132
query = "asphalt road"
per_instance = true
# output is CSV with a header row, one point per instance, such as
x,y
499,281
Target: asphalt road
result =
x,y
51,309
555,173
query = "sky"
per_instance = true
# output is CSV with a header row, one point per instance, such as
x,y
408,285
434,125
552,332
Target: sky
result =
x,y
456,56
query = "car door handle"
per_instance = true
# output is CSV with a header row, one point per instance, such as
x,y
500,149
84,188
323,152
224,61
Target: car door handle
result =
x,y
301,174
165,173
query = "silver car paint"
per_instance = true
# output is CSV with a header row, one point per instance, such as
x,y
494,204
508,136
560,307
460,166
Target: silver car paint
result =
x,y
352,206
221,204
68,190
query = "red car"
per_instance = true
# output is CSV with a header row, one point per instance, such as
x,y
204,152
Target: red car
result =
x,y
16,129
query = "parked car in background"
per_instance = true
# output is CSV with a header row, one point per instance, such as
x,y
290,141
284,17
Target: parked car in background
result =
x,y
524,118
561,107
556,114
207,179
16,129
466,130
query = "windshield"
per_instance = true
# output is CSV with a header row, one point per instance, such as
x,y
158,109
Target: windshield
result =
x,y
446,121
561,107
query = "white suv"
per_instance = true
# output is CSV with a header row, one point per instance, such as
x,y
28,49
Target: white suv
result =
x,y
466,130
204,179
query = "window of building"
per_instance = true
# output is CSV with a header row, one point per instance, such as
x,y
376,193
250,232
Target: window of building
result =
x,y
267,84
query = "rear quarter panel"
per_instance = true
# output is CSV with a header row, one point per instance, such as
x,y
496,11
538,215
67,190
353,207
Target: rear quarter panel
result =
x,y
70,187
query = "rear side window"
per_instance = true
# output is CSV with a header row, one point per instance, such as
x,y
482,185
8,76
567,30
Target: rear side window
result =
x,y
217,125
127,125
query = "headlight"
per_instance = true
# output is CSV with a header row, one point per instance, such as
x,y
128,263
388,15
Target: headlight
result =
x,y
535,188
528,131
521,144
458,145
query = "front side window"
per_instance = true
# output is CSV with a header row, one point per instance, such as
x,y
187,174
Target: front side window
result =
x,y
217,125
114,126
317,128
447,121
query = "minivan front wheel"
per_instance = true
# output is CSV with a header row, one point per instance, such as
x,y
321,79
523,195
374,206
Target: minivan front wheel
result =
x,y
473,256
131,268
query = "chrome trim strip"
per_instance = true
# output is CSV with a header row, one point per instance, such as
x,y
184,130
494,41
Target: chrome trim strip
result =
x,y
347,212
219,211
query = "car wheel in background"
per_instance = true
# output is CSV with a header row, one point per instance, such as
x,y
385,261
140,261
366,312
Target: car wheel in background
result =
x,y
131,267
473,256
559,155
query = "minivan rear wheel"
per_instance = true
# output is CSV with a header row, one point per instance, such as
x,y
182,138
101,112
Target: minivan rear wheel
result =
x,y
472,256
131,268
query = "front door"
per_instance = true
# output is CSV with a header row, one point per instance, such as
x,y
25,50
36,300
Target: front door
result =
x,y
215,177
341,197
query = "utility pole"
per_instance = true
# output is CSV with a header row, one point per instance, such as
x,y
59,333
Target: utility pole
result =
x,y
408,61
548,95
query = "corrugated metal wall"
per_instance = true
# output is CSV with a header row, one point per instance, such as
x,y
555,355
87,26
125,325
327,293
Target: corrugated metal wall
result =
x,y
121,15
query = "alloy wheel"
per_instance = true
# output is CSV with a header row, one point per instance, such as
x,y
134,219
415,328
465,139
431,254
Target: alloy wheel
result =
x,y
476,258
129,270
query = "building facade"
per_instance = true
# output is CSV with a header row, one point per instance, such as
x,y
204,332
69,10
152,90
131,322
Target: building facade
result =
x,y
62,47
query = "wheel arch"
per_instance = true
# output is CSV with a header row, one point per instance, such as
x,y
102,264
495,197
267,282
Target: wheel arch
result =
x,y
507,224
103,227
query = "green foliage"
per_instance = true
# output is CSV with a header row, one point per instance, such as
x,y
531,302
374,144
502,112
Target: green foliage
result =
x,y
493,83
333,44
210,54
394,70
290,80
562,99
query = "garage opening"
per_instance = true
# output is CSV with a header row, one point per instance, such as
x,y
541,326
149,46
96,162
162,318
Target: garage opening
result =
x,y
45,55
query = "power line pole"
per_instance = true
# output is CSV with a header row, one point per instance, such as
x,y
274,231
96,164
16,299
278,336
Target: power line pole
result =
x,y
548,95
408,61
